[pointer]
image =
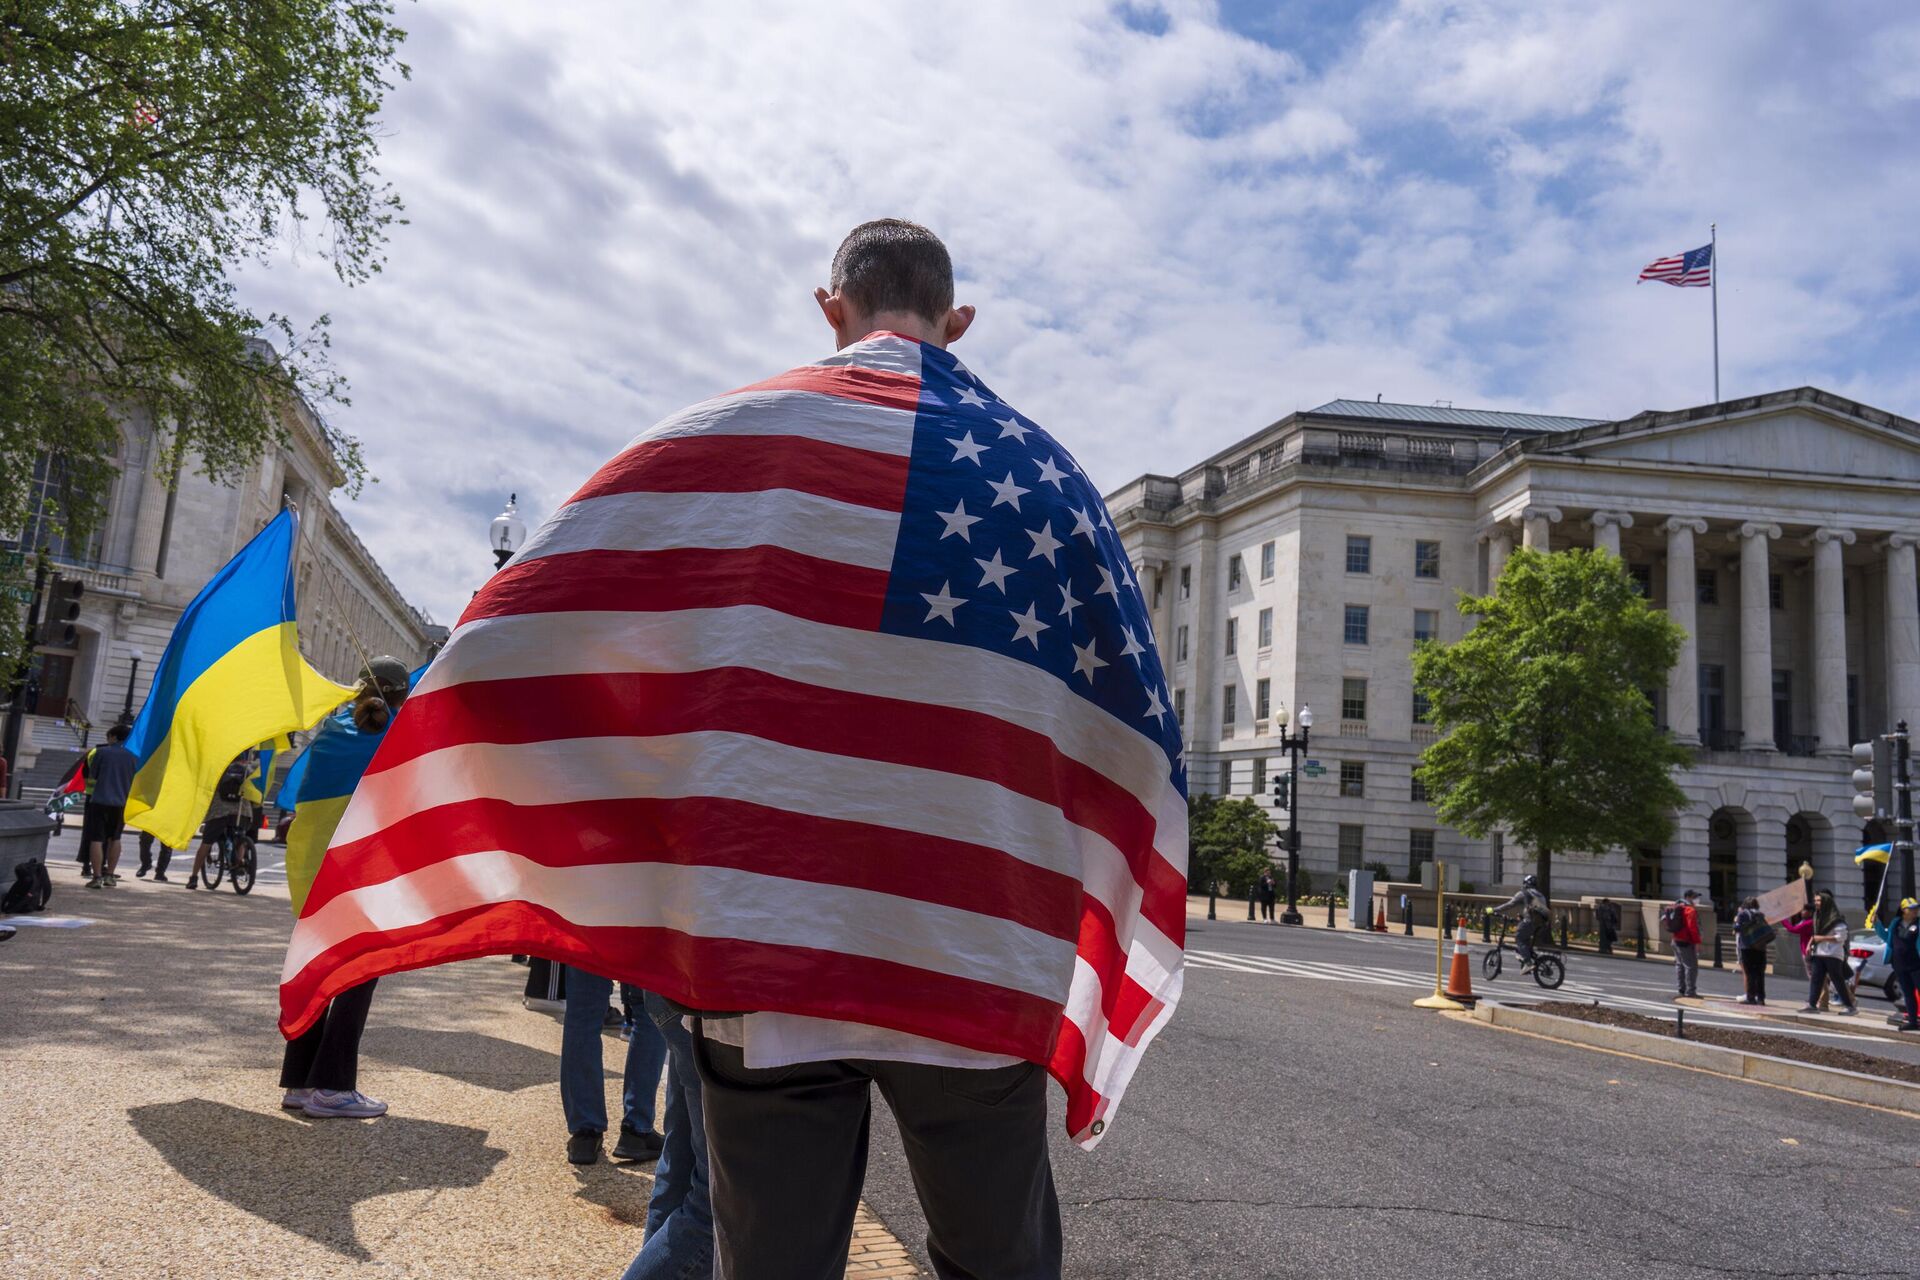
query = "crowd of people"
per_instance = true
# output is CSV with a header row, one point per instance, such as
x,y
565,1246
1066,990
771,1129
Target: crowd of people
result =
x,y
106,773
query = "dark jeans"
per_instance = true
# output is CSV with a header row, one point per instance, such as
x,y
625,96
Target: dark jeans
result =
x,y
1266,906
678,1244
1753,967
583,1068
1909,981
327,1054
1821,969
788,1152
1523,938
146,854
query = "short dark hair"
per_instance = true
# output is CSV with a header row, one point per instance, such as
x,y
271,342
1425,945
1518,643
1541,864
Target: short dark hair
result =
x,y
891,264
118,733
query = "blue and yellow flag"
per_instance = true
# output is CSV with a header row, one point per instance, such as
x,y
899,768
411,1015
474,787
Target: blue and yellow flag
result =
x,y
231,678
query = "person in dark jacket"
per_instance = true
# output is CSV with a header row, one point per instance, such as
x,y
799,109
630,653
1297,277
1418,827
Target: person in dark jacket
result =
x,y
1751,934
1902,936
1266,896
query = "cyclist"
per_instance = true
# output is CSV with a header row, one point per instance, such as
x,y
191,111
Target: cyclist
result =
x,y
1534,915
223,815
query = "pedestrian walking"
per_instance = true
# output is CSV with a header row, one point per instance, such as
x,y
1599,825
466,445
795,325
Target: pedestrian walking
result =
x,y
678,1244
223,813
1827,955
1606,919
147,860
1902,936
1752,934
110,768
1682,919
1267,895
583,1075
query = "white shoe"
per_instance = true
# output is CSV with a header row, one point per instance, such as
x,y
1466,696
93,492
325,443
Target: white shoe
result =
x,y
295,1099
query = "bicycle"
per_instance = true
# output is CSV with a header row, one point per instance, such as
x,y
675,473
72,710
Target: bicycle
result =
x,y
1549,968
235,857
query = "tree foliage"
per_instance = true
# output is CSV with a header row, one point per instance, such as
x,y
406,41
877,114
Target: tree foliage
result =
x,y
1546,728
1228,839
147,148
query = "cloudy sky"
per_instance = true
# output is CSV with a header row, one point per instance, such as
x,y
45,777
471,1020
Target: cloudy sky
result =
x,y
1179,221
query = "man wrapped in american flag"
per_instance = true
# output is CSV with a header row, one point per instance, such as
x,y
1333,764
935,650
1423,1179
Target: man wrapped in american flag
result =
x,y
829,710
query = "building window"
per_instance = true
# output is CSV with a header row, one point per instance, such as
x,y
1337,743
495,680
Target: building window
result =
x,y
1776,591
1266,628
1706,586
1356,624
1353,779
1419,851
1353,846
1180,644
1359,554
1853,708
1497,862
1186,582
1259,776
1226,777
1642,575
1426,624
1180,705
1266,562
1846,597
1419,792
1235,574
1159,581
1422,708
1713,701
1783,710
1262,700
1229,708
1353,698
1426,560
1233,635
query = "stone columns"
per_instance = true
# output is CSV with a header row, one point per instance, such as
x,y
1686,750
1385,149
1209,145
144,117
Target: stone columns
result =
x,y
1829,640
1606,526
1534,521
1903,630
1756,637
1499,547
1683,682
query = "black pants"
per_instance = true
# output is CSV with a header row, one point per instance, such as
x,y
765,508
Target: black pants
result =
x,y
1523,938
1266,906
146,854
1822,968
1753,967
546,980
327,1054
1909,982
787,1154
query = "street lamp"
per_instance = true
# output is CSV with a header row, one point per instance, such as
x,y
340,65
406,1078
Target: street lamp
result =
x,y
1293,744
133,675
507,532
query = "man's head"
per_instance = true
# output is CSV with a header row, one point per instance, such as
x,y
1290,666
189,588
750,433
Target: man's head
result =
x,y
1691,895
892,274
118,733
382,688
1530,882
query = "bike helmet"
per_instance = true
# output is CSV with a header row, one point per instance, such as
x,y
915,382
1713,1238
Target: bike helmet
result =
x,y
1531,882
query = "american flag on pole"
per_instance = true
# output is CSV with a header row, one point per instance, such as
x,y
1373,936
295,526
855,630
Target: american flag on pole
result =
x,y
1690,270
834,696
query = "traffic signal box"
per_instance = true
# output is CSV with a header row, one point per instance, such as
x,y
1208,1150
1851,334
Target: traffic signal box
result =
x,y
57,629
1873,779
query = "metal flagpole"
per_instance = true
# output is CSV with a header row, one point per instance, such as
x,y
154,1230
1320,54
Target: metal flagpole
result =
x,y
1713,268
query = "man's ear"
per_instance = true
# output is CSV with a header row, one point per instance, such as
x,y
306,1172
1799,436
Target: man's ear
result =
x,y
958,321
832,308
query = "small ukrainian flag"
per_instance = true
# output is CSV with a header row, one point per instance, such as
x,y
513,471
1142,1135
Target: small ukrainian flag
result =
x,y
231,678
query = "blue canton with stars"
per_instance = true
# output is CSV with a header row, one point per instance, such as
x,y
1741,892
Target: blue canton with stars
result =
x,y
1005,545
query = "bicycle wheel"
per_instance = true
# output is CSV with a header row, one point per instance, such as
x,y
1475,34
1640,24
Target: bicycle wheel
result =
x,y
1490,963
216,866
245,863
1549,971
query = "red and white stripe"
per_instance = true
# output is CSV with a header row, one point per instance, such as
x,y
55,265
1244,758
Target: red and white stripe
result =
x,y
668,743
1673,271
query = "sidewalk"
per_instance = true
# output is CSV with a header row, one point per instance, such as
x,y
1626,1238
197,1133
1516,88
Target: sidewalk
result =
x,y
145,1136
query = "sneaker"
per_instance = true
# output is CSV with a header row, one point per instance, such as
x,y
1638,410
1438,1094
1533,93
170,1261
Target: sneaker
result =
x,y
540,1004
94,883
295,1099
1910,1026
583,1147
1851,1011
635,1144
348,1104
141,874
1807,1008
112,879
193,882
159,877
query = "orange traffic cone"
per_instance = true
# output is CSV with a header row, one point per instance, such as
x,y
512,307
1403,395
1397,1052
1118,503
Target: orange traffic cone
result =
x,y
1380,924
1460,979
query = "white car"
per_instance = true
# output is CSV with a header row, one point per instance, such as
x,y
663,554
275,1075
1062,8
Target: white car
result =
x,y
1867,954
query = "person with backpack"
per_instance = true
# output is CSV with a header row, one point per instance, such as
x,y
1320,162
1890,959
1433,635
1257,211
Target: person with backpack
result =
x,y
1681,919
1902,936
223,815
31,890
110,768
1535,914
1827,956
1751,934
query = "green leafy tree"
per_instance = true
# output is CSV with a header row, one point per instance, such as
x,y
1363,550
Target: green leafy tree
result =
x,y
1546,728
147,148
1228,839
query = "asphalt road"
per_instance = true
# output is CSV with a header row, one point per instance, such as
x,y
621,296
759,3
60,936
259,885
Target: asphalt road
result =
x,y
1291,1126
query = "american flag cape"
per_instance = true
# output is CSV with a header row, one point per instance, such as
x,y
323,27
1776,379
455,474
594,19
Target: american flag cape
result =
x,y
833,696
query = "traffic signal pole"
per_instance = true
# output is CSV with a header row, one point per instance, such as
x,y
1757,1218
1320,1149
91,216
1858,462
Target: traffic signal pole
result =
x,y
1903,801
17,687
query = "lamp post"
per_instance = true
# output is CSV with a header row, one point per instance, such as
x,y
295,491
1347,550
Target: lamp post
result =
x,y
1293,744
133,674
507,532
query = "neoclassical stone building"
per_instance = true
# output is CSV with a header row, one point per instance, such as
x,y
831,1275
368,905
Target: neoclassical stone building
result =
x,y
1299,566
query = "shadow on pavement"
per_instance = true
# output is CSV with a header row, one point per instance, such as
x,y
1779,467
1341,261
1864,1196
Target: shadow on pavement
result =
x,y
470,1057
622,1191
307,1176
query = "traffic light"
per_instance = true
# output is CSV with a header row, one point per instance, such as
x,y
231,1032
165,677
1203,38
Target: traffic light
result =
x,y
57,630
1282,791
1873,779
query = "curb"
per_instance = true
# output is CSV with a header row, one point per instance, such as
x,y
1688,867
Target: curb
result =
x,y
1847,1086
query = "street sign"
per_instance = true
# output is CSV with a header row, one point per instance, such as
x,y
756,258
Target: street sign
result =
x,y
1313,769
23,594
12,559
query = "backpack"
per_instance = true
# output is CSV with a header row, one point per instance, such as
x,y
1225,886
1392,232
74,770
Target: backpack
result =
x,y
231,782
1670,917
31,890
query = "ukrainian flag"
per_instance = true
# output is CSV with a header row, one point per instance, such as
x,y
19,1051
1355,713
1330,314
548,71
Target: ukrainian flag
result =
x,y
232,677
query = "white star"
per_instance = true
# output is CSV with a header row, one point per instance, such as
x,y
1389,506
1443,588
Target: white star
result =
x,y
958,521
1105,523
1085,661
1133,649
1155,708
1067,603
994,572
1006,491
1027,626
1050,474
971,397
1044,543
942,605
1106,587
1009,427
965,447
1081,525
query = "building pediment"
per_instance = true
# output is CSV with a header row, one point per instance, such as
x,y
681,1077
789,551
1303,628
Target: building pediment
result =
x,y
1803,432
